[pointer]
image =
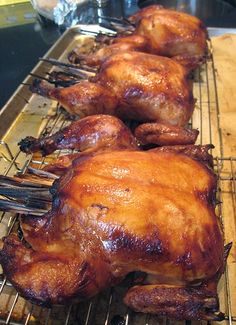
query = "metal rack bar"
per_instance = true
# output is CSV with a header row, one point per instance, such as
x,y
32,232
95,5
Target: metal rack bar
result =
x,y
68,315
109,307
28,316
200,105
9,153
89,313
226,276
208,103
217,106
233,178
48,316
3,284
127,318
12,307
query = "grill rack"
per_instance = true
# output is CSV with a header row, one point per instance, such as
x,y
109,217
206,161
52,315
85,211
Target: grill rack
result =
x,y
103,308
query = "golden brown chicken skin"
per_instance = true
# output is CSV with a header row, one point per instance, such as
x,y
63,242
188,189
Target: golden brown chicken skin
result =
x,y
136,214
82,99
159,31
149,88
130,85
174,34
164,134
104,132
90,133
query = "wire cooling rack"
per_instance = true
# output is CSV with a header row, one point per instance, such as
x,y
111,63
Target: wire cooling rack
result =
x,y
107,308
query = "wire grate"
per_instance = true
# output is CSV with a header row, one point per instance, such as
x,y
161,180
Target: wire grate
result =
x,y
107,308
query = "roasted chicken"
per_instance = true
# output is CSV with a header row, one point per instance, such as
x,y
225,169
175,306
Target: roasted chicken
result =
x,y
137,214
132,85
139,211
160,31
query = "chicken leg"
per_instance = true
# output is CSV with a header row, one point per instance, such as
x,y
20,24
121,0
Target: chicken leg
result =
x,y
92,132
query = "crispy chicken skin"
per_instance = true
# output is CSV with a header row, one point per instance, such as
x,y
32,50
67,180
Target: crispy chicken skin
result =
x,y
104,132
136,214
159,31
130,85
149,88
174,34
197,152
92,132
82,99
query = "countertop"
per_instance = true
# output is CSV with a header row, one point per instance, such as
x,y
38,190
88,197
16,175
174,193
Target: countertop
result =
x,y
24,42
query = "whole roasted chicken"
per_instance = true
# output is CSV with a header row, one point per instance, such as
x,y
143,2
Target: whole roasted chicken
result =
x,y
121,210
132,85
159,31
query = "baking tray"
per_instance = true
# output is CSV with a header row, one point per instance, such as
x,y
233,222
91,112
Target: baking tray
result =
x,y
29,114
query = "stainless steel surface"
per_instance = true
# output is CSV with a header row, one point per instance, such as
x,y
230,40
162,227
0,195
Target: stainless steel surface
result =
x,y
32,115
